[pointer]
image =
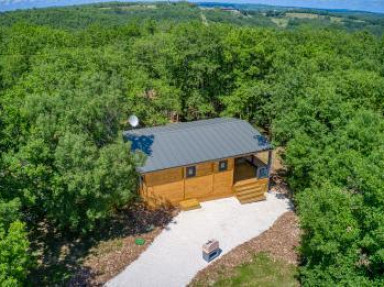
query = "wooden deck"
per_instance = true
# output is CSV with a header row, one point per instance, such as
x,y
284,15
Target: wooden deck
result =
x,y
244,171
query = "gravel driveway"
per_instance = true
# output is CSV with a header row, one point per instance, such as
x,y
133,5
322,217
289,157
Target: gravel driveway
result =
x,y
175,256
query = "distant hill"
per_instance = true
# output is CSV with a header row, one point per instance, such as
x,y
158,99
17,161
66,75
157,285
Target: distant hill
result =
x,y
121,13
334,5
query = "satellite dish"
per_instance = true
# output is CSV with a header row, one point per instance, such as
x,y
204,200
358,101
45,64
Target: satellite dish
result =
x,y
133,121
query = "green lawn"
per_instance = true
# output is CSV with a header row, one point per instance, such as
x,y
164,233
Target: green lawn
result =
x,y
262,271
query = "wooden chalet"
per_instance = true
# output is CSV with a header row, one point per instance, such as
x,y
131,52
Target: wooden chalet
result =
x,y
203,160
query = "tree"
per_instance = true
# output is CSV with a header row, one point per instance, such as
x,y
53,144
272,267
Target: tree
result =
x,y
89,183
15,259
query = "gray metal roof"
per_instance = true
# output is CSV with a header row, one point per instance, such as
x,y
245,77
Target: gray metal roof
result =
x,y
182,144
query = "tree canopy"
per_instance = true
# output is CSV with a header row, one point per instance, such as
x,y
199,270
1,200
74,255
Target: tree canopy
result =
x,y
67,89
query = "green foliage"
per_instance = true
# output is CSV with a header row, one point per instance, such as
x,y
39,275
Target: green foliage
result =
x,y
332,154
65,150
15,260
331,236
70,77
89,183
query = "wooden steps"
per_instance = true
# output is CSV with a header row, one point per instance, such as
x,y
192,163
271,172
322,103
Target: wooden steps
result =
x,y
245,182
189,204
249,190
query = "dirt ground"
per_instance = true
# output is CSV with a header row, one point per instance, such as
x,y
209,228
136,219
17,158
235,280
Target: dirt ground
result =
x,y
280,241
70,260
108,258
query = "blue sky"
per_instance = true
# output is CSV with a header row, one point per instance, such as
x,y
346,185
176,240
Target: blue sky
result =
x,y
363,5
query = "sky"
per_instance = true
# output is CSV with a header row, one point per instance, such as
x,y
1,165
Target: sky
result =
x,y
361,5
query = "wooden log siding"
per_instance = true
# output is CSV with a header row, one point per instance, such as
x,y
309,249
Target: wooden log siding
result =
x,y
164,187
223,180
170,186
204,169
164,176
231,163
198,187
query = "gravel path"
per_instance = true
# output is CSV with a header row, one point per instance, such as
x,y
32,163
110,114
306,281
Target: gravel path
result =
x,y
280,241
175,256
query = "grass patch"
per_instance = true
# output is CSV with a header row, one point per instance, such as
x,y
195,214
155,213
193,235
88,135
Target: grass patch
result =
x,y
262,271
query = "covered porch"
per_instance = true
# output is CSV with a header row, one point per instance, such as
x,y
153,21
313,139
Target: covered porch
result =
x,y
256,166
251,176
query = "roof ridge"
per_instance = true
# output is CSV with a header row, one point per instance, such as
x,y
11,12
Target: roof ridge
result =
x,y
192,125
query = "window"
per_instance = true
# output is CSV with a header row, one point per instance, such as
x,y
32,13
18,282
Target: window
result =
x,y
223,165
191,171
262,172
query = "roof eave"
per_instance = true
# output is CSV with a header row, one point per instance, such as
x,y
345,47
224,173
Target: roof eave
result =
x,y
141,171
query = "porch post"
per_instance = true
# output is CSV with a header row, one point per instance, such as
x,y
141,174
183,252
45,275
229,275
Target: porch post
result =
x,y
269,159
270,152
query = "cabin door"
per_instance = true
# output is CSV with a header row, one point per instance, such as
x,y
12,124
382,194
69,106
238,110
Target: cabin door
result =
x,y
199,181
199,187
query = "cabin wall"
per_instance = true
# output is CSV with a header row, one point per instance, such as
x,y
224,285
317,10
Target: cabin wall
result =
x,y
223,181
164,187
164,176
169,187
199,187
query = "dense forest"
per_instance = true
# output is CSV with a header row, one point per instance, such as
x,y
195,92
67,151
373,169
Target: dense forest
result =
x,y
70,77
